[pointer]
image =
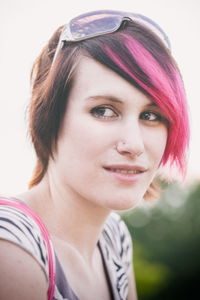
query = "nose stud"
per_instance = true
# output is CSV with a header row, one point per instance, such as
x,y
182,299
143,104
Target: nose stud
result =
x,y
124,148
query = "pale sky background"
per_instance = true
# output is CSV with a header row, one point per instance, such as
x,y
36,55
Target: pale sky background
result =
x,y
26,25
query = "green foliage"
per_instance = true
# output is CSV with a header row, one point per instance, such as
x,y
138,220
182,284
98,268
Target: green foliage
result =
x,y
166,238
151,277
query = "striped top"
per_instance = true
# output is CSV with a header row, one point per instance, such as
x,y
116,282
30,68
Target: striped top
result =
x,y
115,247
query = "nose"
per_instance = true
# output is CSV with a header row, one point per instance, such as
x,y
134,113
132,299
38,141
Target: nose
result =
x,y
131,141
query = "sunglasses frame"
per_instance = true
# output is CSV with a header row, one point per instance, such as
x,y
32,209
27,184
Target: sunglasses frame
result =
x,y
88,20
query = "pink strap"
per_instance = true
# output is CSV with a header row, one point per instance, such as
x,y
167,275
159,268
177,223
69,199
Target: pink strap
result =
x,y
24,208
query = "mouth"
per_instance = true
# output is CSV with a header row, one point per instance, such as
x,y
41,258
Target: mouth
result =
x,y
126,173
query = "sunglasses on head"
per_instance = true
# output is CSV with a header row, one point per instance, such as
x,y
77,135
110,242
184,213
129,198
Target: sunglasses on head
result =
x,y
102,22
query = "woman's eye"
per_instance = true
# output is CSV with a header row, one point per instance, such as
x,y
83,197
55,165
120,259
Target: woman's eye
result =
x,y
151,116
103,112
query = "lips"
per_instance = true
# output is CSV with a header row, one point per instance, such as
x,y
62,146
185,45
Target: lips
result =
x,y
126,173
126,169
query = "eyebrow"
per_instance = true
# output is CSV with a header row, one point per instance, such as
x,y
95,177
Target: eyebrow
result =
x,y
116,100
152,104
106,97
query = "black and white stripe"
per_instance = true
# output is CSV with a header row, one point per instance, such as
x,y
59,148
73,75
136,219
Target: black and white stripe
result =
x,y
117,246
115,243
17,227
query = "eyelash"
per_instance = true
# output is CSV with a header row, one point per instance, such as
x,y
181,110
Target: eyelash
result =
x,y
157,117
99,111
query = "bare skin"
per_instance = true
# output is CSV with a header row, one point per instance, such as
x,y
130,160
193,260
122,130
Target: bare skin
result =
x,y
78,191
73,255
21,277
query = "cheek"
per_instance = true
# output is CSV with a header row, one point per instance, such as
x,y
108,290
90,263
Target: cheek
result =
x,y
89,135
156,143
83,139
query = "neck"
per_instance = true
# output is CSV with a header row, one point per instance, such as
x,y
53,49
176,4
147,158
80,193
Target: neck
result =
x,y
68,217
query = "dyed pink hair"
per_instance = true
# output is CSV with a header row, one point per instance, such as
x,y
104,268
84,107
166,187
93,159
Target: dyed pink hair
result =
x,y
166,90
135,54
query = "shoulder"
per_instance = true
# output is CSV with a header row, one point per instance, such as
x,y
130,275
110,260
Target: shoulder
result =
x,y
17,227
118,238
20,277
23,250
117,225
116,246
117,228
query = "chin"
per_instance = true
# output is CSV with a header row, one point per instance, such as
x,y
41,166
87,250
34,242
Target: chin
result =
x,y
125,203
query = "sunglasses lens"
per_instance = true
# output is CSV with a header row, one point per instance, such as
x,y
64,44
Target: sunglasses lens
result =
x,y
101,22
94,25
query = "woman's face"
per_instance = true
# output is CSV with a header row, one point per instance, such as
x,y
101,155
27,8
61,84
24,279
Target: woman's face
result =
x,y
111,141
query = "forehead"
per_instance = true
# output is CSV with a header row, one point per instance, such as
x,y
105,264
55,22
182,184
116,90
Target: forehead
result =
x,y
92,78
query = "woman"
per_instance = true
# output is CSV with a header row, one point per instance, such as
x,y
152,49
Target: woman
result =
x,y
108,110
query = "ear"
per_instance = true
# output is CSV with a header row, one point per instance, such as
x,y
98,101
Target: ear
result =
x,y
153,192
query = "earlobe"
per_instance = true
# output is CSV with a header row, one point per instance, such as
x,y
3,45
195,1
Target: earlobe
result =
x,y
153,192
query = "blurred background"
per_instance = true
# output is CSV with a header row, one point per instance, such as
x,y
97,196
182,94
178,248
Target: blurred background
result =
x,y
165,234
166,239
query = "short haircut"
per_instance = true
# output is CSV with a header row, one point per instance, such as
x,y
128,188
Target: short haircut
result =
x,y
133,52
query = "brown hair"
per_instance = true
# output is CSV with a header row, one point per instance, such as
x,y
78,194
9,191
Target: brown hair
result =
x,y
47,107
51,86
